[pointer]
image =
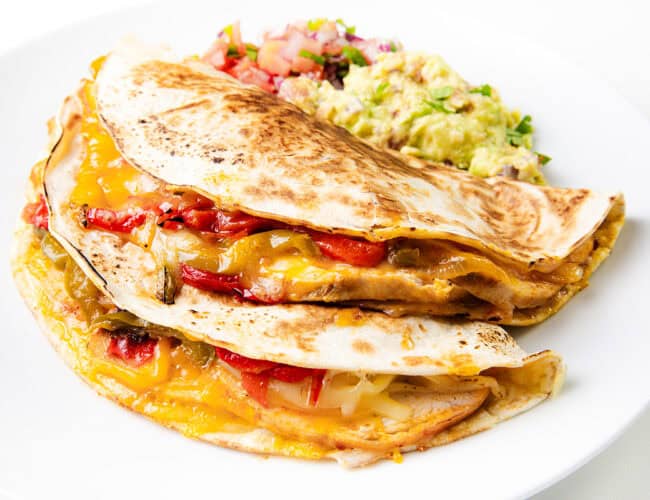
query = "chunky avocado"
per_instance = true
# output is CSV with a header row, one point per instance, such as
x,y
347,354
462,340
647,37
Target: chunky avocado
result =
x,y
417,104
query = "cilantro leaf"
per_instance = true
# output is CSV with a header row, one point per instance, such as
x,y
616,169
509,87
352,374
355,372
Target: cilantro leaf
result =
x,y
438,97
524,126
354,55
310,55
233,52
543,159
515,136
484,89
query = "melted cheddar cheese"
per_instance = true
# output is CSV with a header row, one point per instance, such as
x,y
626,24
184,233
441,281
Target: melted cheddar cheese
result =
x,y
105,179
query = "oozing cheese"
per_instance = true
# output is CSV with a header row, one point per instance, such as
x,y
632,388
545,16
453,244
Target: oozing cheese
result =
x,y
104,178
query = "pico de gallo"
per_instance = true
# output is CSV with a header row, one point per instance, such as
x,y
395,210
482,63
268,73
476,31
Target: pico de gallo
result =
x,y
319,49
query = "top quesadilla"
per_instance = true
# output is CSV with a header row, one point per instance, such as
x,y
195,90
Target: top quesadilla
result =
x,y
298,380
239,192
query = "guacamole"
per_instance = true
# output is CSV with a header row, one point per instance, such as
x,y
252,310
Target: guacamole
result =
x,y
417,104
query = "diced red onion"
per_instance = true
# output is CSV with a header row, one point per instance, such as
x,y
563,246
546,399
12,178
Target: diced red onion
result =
x,y
352,38
384,47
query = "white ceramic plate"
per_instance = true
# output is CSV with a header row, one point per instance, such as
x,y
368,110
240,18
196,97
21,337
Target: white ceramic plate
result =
x,y
57,436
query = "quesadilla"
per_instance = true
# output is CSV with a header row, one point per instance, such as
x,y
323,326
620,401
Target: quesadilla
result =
x,y
114,262
234,191
303,381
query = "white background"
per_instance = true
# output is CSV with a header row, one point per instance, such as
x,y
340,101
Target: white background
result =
x,y
609,39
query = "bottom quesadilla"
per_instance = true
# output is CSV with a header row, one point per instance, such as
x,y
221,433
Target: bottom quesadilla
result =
x,y
474,376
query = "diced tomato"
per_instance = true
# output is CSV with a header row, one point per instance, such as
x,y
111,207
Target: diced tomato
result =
x,y
211,282
118,221
135,350
350,250
298,41
36,213
246,71
335,47
304,65
257,386
270,60
242,363
316,385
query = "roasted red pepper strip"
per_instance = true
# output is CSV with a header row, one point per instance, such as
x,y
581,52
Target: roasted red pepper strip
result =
x,y
241,224
349,250
316,386
200,219
213,282
36,213
257,386
117,221
135,350
257,372
242,363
